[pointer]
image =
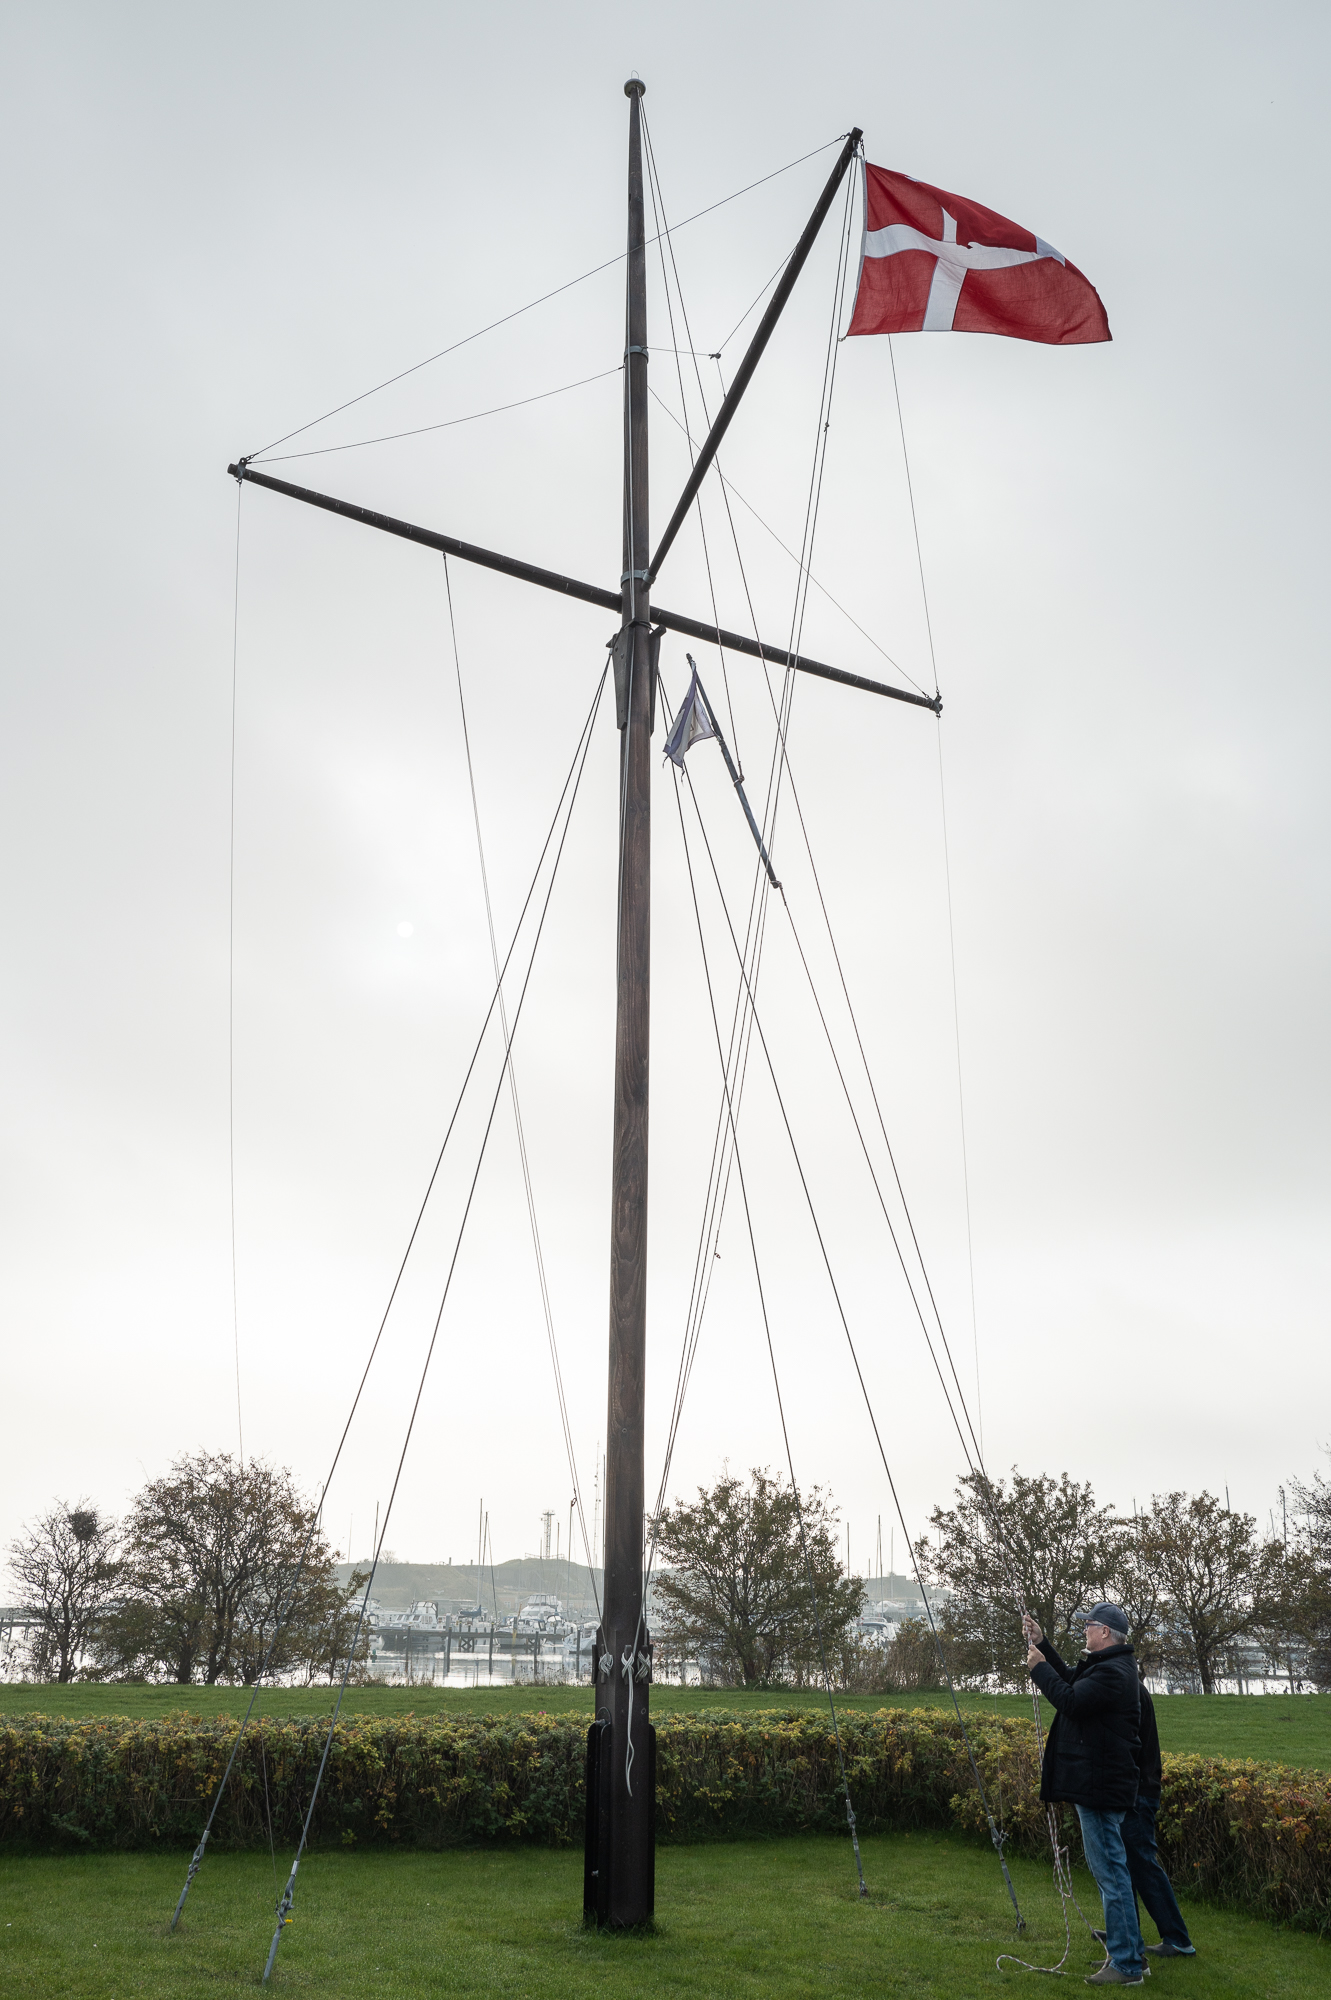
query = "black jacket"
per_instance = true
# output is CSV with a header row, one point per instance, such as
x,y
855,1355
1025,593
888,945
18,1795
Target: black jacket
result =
x,y
1090,1758
1150,1772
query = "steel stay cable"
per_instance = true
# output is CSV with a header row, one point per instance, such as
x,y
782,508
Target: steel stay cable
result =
x,y
759,897
771,1354
741,1025
422,430
758,908
756,927
781,758
730,487
995,1521
882,1125
231,986
719,1169
531,305
664,243
1062,1874
517,1109
781,750
961,1095
868,1160
878,1191
287,1609
729,1111
996,1837
714,354
741,1029
288,1895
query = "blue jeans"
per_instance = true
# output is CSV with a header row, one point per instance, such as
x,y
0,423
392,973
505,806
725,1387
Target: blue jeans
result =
x,y
1148,1876
1102,1837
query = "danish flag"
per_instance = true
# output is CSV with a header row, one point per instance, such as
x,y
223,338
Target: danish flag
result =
x,y
934,262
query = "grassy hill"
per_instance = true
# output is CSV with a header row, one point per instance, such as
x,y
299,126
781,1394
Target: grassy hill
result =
x,y
399,1585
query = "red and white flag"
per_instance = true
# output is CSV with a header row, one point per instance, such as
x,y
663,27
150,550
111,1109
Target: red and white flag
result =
x,y
936,263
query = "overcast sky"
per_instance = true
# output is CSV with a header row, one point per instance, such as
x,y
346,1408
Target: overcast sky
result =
x,y
220,223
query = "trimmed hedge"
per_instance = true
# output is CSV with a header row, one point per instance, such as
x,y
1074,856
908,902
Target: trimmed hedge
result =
x,y
1253,1834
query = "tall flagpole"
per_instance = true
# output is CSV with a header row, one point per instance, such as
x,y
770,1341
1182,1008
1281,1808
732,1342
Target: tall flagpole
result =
x,y
620,1858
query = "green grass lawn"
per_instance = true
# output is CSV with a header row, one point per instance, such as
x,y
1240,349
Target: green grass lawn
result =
x,y
1285,1729
763,1918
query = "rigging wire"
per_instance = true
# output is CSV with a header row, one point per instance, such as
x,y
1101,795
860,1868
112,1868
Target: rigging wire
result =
x,y
821,588
724,1151
231,985
288,1894
771,1355
914,520
741,1027
781,750
757,912
450,423
664,240
782,715
531,304
995,1835
715,354
961,1094
1061,1865
537,1249
947,874
286,1609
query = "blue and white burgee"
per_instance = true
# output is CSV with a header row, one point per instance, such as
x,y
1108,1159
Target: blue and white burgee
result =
x,y
692,725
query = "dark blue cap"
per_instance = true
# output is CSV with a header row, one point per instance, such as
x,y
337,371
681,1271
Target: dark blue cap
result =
x,y
1112,1615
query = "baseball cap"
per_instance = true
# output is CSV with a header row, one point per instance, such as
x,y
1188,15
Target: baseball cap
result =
x,y
1112,1615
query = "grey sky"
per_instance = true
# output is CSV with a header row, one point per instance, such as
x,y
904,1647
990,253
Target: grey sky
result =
x,y
220,223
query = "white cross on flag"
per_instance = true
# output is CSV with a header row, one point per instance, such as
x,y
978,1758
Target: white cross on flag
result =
x,y
934,262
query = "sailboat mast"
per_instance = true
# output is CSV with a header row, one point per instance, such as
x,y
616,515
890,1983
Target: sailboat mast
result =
x,y
624,1840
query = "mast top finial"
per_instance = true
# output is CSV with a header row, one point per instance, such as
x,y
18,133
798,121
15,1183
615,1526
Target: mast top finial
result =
x,y
635,87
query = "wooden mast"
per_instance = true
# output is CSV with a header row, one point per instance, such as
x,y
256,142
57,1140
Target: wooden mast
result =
x,y
621,1752
619,1878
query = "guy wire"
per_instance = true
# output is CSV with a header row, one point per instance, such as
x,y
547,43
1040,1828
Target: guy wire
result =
x,y
288,1895
231,983
664,243
525,1163
741,1025
947,876
286,1609
531,304
996,1837
771,1355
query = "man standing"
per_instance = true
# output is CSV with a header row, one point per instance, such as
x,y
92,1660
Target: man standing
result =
x,y
1090,1762
1149,1879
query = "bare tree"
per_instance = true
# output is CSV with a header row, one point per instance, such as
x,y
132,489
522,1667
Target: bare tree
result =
x,y
735,1587
1205,1557
67,1570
